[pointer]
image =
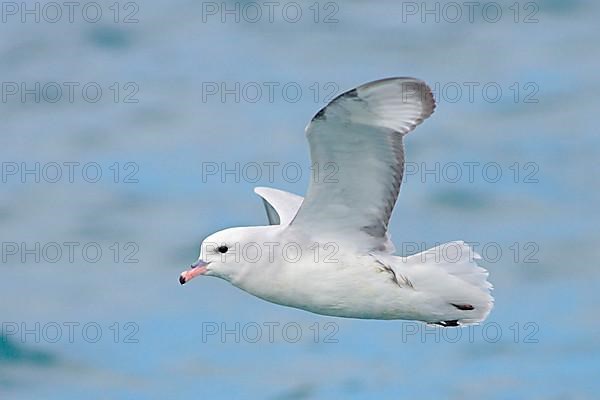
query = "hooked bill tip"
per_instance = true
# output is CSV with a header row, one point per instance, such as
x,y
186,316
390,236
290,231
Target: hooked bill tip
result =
x,y
181,279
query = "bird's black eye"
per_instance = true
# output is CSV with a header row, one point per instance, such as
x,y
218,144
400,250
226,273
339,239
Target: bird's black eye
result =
x,y
222,249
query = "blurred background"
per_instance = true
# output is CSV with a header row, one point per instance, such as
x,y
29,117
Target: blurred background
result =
x,y
120,120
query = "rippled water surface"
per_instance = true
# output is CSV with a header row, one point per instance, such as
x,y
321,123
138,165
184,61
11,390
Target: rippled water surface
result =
x,y
128,330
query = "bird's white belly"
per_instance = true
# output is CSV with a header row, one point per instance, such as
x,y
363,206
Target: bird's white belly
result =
x,y
360,289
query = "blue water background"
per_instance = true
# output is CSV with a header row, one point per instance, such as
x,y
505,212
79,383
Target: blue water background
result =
x,y
544,337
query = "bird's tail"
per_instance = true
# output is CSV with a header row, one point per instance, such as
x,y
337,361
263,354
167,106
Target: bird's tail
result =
x,y
455,289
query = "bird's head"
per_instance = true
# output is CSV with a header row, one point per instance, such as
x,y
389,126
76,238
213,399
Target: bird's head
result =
x,y
228,254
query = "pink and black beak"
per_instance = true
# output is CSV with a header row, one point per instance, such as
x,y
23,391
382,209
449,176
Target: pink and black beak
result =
x,y
197,268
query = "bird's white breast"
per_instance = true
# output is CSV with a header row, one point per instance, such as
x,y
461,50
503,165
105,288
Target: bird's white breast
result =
x,y
346,285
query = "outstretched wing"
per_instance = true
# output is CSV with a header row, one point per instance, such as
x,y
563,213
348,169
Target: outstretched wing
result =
x,y
281,206
360,134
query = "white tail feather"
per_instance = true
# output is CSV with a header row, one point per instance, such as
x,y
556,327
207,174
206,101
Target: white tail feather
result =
x,y
452,283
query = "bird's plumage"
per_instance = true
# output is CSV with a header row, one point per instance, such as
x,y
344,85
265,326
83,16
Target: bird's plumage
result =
x,y
359,134
345,264
281,206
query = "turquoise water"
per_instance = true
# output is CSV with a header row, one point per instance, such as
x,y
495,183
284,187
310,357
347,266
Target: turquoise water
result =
x,y
128,330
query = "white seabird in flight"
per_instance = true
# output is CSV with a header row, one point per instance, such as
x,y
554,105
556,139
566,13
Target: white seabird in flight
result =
x,y
330,253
